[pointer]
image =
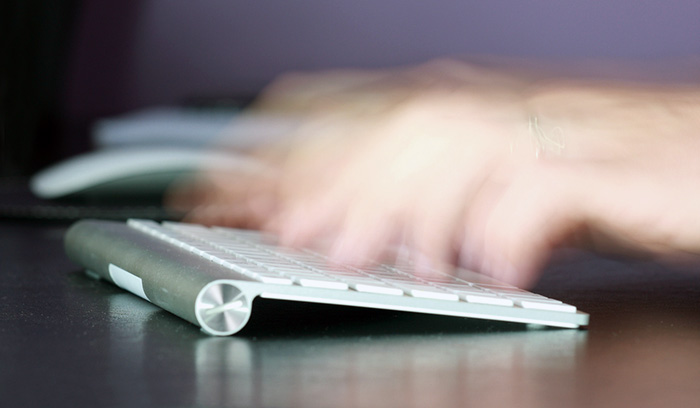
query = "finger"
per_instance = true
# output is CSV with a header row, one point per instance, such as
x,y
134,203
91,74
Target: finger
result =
x,y
474,223
365,235
537,211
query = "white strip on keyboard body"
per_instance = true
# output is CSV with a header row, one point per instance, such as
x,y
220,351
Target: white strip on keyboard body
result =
x,y
304,275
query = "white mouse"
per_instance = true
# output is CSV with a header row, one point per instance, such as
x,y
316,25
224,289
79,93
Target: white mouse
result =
x,y
130,172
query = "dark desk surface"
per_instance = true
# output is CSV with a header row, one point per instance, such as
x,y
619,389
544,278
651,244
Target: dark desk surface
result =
x,y
67,340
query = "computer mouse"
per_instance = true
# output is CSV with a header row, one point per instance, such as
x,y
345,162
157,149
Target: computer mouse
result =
x,y
130,174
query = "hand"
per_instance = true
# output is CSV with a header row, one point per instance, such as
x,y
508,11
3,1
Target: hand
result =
x,y
333,108
445,160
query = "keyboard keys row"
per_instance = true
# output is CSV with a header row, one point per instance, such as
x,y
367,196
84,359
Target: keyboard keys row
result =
x,y
252,255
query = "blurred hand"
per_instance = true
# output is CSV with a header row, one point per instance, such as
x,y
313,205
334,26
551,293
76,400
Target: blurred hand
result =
x,y
470,166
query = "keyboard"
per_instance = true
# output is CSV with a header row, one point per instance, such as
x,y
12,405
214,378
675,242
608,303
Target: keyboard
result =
x,y
210,276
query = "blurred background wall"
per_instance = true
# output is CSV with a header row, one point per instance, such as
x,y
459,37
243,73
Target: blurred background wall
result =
x,y
129,54
173,48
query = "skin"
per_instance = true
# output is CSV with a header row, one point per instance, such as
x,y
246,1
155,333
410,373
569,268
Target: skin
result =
x,y
444,161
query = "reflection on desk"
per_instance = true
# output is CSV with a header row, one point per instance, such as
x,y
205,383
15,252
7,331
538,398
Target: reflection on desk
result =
x,y
369,369
387,372
67,340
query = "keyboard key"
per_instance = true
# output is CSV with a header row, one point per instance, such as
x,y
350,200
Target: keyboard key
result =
x,y
297,272
461,288
350,275
487,299
369,285
508,292
440,279
554,305
376,287
214,255
428,292
321,283
469,291
275,280
496,287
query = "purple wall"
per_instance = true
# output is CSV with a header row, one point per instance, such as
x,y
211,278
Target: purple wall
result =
x,y
160,51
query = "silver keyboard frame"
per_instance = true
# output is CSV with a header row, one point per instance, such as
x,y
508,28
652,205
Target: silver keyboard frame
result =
x,y
220,300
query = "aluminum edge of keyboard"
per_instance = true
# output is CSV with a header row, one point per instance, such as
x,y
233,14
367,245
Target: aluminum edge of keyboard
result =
x,y
224,306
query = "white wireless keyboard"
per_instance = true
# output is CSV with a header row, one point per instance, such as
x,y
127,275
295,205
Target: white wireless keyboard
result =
x,y
210,276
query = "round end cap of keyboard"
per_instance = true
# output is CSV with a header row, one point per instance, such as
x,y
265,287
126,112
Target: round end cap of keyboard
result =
x,y
222,308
